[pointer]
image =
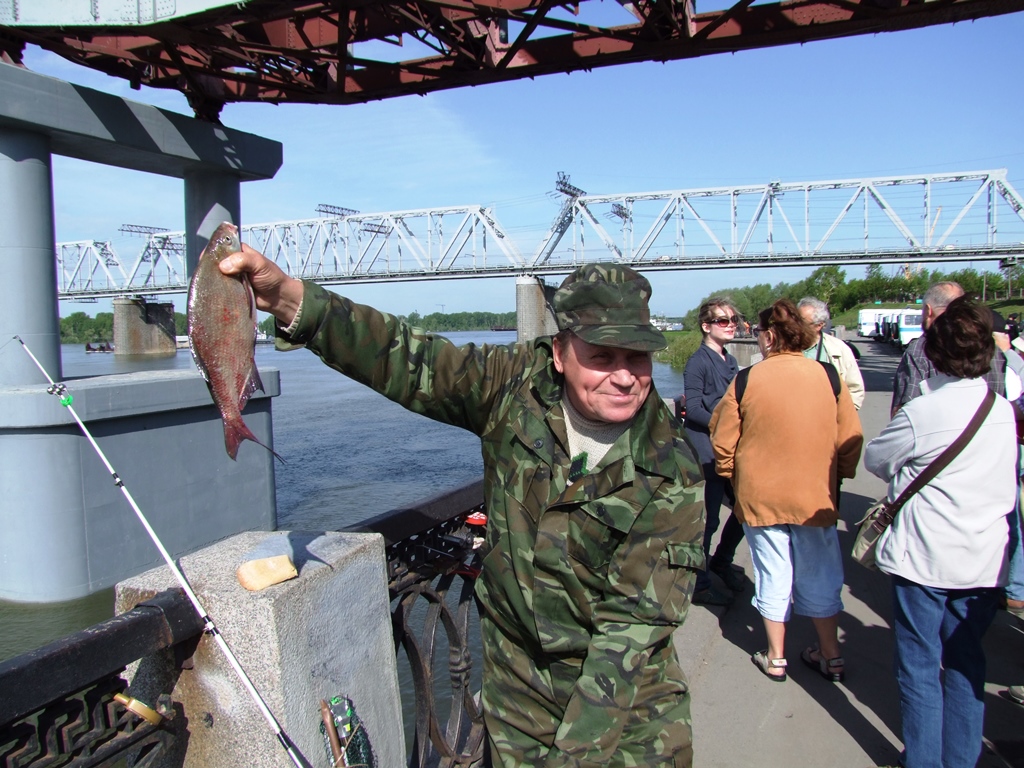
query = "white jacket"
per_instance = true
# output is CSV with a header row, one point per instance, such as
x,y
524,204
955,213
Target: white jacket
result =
x,y
838,352
953,533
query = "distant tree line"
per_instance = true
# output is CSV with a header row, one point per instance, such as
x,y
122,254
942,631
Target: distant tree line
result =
x,y
829,284
79,328
462,321
439,322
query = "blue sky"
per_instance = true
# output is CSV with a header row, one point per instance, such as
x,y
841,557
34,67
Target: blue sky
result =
x,y
940,99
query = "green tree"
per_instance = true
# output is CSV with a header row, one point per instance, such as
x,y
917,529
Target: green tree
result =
x,y
824,283
76,328
103,326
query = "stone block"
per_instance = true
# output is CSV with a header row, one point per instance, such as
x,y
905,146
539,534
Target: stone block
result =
x,y
325,633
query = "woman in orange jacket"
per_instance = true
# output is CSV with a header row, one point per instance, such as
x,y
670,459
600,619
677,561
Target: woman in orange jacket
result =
x,y
785,439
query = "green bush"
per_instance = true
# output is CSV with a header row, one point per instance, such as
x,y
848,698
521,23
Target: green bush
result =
x,y
681,345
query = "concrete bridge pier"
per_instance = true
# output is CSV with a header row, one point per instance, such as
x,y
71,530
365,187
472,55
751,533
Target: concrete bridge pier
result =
x,y
534,316
26,252
143,328
210,198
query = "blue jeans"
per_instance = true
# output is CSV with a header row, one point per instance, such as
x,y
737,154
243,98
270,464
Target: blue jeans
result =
x,y
1015,589
940,668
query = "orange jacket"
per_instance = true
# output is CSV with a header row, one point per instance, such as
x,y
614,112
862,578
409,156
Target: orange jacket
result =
x,y
787,443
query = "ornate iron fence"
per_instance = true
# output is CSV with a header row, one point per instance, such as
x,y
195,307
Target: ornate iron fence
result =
x,y
65,704
432,566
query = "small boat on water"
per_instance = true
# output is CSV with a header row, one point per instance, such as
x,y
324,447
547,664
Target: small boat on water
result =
x,y
105,346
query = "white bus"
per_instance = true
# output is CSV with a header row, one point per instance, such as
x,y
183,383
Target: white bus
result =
x,y
869,322
909,326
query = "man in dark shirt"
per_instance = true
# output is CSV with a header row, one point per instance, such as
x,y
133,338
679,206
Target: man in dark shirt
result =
x,y
914,367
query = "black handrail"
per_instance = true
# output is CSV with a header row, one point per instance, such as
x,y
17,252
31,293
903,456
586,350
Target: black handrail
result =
x,y
58,707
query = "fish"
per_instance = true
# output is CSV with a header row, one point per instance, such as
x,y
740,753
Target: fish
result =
x,y
222,335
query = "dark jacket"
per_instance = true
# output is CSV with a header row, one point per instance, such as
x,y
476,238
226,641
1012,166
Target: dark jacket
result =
x,y
706,378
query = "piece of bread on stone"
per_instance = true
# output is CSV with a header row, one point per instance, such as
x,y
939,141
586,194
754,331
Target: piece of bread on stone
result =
x,y
255,575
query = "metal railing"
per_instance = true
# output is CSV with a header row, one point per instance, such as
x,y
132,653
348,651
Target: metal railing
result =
x,y
432,566
65,704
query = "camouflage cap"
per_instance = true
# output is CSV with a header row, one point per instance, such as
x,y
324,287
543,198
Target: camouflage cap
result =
x,y
606,304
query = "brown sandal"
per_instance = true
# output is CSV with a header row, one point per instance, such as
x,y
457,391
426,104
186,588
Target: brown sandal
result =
x,y
762,662
831,669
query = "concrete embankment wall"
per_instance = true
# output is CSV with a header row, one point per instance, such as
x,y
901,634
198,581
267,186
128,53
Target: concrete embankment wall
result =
x,y
325,633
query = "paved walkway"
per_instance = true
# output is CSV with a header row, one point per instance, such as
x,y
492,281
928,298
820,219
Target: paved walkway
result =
x,y
741,719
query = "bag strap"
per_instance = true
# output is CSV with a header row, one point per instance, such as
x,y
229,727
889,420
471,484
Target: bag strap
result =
x,y
833,378
944,458
830,370
741,383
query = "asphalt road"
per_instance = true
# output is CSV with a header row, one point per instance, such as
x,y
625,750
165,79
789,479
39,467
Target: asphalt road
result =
x,y
741,719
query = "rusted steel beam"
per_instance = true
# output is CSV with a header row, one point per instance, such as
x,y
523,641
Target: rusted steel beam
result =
x,y
280,51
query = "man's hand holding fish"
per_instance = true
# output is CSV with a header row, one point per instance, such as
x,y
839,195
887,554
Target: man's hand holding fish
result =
x,y
275,291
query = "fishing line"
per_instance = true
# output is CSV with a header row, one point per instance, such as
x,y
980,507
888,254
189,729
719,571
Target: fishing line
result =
x,y
60,391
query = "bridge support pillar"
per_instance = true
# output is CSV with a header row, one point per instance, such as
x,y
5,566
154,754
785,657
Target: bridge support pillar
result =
x,y
30,309
210,198
143,328
534,316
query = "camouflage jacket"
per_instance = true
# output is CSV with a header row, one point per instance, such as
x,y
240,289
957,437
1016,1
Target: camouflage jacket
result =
x,y
601,570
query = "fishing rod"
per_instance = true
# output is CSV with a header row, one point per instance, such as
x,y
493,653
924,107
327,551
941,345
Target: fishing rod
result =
x,y
60,391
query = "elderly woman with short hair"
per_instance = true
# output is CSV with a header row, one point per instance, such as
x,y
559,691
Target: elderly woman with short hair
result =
x,y
785,439
947,547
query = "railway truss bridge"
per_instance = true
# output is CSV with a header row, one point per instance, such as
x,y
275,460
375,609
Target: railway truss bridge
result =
x,y
953,217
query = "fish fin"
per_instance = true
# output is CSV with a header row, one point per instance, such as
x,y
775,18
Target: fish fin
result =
x,y
252,383
235,431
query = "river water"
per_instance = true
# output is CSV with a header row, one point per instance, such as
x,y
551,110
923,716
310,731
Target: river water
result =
x,y
351,455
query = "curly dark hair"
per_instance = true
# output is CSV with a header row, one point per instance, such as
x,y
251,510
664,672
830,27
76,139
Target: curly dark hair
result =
x,y
789,331
959,341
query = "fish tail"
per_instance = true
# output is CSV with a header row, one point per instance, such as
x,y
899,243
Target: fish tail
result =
x,y
235,431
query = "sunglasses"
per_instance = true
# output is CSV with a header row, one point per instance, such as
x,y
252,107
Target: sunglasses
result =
x,y
725,322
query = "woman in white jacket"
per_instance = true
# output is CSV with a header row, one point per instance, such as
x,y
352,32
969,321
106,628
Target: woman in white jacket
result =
x,y
947,548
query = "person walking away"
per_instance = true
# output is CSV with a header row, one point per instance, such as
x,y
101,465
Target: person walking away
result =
x,y
915,367
785,433
1013,593
946,550
707,375
827,348
594,502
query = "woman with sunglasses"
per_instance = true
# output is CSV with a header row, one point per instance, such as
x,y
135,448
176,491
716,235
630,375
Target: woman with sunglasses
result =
x,y
707,375
784,442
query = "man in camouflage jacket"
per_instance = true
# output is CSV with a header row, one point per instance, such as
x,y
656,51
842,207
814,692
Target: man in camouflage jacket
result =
x,y
584,578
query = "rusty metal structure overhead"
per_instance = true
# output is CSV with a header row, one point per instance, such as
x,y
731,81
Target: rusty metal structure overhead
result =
x,y
353,51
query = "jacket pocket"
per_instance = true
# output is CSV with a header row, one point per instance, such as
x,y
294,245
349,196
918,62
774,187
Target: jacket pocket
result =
x,y
597,528
667,595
